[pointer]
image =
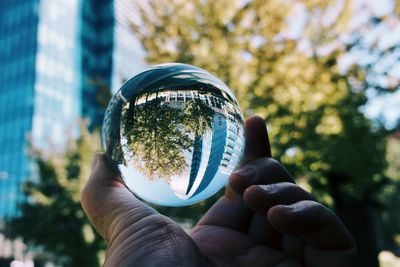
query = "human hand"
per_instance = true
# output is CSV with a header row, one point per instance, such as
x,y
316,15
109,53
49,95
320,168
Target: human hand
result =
x,y
262,220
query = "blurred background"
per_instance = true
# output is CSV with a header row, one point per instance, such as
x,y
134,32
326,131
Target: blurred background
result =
x,y
324,74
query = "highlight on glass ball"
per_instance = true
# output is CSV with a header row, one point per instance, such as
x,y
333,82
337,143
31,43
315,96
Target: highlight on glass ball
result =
x,y
175,133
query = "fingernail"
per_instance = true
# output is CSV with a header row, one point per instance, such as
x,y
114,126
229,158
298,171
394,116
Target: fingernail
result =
x,y
287,208
246,172
290,208
266,187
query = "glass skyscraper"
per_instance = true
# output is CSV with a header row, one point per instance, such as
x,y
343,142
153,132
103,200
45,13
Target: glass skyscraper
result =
x,y
56,58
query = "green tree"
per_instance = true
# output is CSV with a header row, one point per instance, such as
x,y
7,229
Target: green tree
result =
x,y
294,80
52,222
157,134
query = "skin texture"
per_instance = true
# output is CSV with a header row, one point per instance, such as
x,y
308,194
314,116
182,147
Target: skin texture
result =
x,y
263,219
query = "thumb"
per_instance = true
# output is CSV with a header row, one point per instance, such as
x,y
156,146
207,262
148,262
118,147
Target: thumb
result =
x,y
102,174
108,204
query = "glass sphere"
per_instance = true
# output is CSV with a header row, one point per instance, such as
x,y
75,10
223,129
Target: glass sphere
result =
x,y
175,133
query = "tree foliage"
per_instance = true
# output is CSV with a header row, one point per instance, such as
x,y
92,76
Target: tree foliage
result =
x,y
311,107
52,222
282,60
158,134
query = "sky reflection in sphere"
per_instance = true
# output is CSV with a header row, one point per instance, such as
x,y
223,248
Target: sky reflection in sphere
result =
x,y
175,132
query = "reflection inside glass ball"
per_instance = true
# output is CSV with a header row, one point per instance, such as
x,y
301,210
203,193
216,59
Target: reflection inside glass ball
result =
x,y
175,133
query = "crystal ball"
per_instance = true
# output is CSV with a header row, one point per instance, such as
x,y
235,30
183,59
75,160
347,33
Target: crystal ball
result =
x,y
175,133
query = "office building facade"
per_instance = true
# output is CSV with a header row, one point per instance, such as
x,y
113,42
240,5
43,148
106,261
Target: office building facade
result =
x,y
56,58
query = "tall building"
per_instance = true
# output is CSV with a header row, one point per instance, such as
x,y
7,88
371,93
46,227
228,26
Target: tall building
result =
x,y
96,43
18,30
57,57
